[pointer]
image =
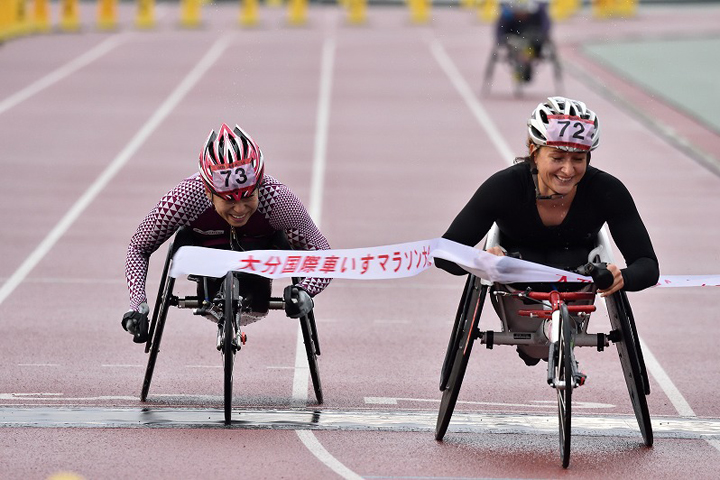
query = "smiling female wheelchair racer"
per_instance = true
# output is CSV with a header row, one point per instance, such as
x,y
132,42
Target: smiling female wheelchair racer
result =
x,y
550,205
229,204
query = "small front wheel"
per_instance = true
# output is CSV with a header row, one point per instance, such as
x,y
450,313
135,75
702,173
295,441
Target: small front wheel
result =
x,y
231,295
565,383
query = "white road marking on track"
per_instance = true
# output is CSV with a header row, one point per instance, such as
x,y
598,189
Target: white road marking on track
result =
x,y
655,369
312,443
114,167
62,72
533,404
300,379
472,102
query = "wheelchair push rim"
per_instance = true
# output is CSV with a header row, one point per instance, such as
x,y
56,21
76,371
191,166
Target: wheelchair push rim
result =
x,y
459,350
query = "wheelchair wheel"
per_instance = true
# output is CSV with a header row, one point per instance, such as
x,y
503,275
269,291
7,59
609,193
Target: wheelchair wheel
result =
x,y
456,334
157,325
489,70
631,360
459,350
231,295
309,332
564,373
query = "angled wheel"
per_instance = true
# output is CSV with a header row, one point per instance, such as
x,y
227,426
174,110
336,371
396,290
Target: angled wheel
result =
x,y
157,325
231,296
459,349
309,333
564,388
631,360
490,69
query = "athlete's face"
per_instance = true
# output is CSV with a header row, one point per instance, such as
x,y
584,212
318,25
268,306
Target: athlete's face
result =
x,y
559,171
235,212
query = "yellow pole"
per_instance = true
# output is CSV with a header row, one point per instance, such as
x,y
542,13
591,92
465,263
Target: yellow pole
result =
x,y
249,13
190,13
145,17
69,15
357,12
7,19
603,8
488,10
274,3
22,23
419,11
41,15
626,8
107,14
297,12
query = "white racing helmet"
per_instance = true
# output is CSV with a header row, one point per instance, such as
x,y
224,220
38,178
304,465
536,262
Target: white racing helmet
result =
x,y
565,124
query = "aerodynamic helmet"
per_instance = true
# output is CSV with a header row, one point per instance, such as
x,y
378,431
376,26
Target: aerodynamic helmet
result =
x,y
231,163
564,124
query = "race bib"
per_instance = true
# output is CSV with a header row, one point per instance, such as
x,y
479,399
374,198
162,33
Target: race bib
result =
x,y
570,131
237,175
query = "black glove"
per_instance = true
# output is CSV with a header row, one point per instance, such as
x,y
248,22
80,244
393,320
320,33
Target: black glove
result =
x,y
137,323
298,302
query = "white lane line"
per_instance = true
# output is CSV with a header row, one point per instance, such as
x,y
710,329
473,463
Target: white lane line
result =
x,y
472,102
62,72
668,387
317,184
311,442
300,379
114,167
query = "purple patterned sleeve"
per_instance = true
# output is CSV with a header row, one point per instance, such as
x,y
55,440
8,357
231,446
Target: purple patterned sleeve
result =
x,y
285,212
177,208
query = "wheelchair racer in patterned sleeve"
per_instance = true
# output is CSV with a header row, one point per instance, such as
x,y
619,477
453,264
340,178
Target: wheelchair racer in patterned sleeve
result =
x,y
229,204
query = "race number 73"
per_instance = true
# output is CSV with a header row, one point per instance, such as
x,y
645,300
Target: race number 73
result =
x,y
233,178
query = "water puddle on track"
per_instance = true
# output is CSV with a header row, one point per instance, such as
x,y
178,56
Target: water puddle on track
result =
x,y
303,419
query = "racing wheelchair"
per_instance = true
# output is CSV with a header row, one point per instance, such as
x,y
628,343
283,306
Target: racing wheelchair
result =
x,y
523,54
227,308
548,323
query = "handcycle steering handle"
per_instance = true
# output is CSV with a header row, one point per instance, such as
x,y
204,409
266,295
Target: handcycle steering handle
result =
x,y
602,277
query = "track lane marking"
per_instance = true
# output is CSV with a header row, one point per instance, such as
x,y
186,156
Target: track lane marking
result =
x,y
62,72
210,57
317,188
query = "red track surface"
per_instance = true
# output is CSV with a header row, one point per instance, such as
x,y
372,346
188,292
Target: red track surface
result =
x,y
404,153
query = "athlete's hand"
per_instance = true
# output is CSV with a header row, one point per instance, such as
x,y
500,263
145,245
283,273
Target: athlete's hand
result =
x,y
136,323
618,281
499,251
298,302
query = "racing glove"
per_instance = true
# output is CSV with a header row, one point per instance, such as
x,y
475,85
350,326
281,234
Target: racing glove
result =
x,y
298,302
136,323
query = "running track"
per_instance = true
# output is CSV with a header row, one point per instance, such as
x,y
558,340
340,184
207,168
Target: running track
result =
x,y
381,131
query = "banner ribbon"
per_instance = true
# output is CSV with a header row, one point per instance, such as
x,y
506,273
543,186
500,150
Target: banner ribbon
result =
x,y
386,262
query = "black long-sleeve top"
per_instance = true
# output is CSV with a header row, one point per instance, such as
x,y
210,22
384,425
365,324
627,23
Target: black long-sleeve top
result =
x,y
508,199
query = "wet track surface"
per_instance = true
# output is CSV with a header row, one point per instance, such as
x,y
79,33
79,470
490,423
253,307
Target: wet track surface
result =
x,y
356,120
376,420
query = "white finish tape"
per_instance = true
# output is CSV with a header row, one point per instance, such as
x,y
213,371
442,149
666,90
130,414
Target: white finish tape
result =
x,y
386,262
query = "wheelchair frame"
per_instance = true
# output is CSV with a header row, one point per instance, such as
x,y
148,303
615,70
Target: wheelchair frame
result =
x,y
230,337
568,331
504,52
